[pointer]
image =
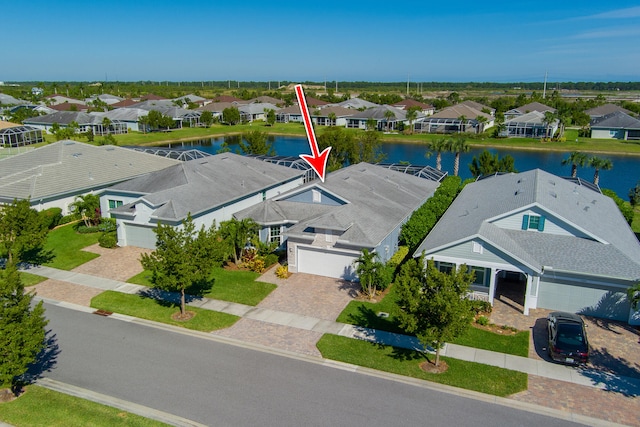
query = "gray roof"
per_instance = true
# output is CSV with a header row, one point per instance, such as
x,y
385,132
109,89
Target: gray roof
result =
x,y
257,107
124,114
457,111
616,120
605,109
106,98
356,104
530,107
72,167
376,200
610,247
62,118
10,100
533,117
192,97
378,113
200,185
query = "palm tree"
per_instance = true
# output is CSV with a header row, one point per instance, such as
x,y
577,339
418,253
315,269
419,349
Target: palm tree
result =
x,y
332,118
87,205
389,115
368,267
599,163
412,114
575,159
549,117
458,146
481,122
438,146
463,120
633,293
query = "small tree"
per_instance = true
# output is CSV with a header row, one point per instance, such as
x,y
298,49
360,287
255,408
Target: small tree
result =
x,y
231,115
488,163
182,258
236,233
22,328
432,303
206,118
270,116
634,195
256,142
368,268
23,231
575,159
88,206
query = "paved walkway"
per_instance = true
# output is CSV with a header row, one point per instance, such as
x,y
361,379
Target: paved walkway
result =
x,y
538,367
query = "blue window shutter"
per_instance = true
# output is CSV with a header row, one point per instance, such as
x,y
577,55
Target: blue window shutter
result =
x,y
525,222
541,224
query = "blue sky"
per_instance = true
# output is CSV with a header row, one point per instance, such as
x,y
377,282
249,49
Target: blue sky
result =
x,y
330,40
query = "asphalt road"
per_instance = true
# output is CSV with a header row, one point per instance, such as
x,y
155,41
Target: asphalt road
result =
x,y
219,384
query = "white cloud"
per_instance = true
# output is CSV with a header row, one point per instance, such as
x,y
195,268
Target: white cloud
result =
x,y
631,12
608,33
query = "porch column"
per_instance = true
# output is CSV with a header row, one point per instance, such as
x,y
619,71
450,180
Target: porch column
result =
x,y
492,284
526,296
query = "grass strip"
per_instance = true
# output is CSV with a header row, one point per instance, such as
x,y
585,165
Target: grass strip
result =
x,y
29,279
238,286
468,375
158,311
39,406
66,246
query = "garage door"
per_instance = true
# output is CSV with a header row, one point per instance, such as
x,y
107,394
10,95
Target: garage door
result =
x,y
591,300
324,262
136,235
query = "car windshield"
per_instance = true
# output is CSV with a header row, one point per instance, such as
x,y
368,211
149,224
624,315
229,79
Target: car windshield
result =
x,y
570,337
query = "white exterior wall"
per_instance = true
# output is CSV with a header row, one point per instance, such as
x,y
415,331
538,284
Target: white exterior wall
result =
x,y
602,134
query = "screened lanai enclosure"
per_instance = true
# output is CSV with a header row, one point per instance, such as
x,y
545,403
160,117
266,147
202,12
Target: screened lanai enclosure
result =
x,y
19,136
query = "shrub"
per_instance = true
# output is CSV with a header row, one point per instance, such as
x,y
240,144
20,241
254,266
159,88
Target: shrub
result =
x,y
282,272
51,217
83,229
398,257
385,277
69,218
482,320
481,307
270,259
107,224
108,240
256,264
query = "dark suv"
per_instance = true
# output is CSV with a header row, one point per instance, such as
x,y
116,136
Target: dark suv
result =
x,y
567,338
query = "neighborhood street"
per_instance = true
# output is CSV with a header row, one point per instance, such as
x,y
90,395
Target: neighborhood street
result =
x,y
215,383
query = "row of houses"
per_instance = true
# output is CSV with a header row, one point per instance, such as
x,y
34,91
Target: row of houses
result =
x,y
528,121
555,242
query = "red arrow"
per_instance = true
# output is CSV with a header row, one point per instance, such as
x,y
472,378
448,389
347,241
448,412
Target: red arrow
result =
x,y
317,161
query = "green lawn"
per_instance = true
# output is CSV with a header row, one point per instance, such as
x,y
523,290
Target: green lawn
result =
x,y
468,375
29,279
147,308
228,285
365,314
43,407
66,247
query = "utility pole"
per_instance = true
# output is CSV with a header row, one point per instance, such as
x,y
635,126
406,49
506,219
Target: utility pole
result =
x,y
407,83
544,90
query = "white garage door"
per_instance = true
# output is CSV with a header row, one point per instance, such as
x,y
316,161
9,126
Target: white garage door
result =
x,y
588,299
136,235
324,262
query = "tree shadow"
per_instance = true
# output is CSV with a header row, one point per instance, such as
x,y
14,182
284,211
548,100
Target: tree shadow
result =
x,y
351,288
194,293
611,326
45,360
404,355
368,318
615,374
610,305
37,256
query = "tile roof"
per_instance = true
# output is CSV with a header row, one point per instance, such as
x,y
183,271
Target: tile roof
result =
x,y
608,240
199,185
379,112
532,106
72,167
378,200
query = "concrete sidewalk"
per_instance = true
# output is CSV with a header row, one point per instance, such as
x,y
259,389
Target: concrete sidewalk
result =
x,y
581,376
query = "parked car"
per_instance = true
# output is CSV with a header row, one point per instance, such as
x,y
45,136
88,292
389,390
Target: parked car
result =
x,y
567,338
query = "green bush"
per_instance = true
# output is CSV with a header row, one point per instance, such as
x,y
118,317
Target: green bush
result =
x,y
270,259
83,229
107,224
108,240
482,320
398,257
51,217
481,307
385,277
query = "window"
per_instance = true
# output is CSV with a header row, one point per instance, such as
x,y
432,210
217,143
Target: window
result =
x,y
317,196
446,267
480,273
477,247
114,204
264,196
275,233
534,222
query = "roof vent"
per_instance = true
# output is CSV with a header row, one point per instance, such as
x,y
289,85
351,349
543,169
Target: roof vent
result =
x,y
110,148
76,155
68,143
552,182
586,208
593,202
553,194
517,192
